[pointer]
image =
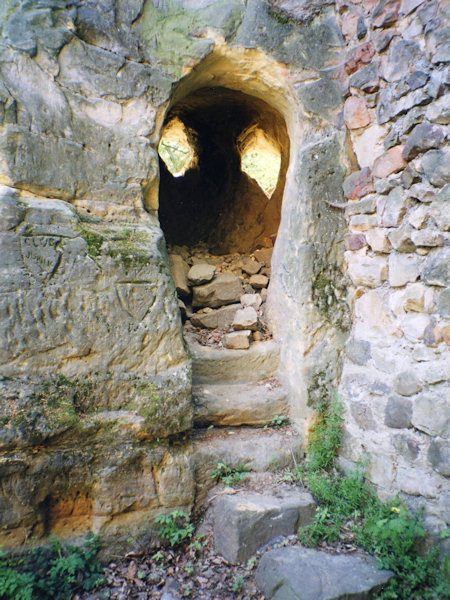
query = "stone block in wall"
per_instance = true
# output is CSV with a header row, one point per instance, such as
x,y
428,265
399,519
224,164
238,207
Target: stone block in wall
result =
x,y
436,269
407,384
392,208
439,456
389,162
366,79
431,414
358,184
439,110
359,56
444,303
362,413
356,114
385,13
400,238
368,145
368,271
373,315
438,42
377,240
423,137
427,238
440,207
319,97
365,206
398,412
435,166
355,241
388,108
414,326
362,222
406,445
403,56
414,298
432,335
358,351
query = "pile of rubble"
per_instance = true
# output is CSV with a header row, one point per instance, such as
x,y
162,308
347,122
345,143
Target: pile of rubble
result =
x,y
222,298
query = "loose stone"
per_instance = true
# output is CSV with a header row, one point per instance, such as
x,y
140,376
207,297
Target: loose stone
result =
x,y
246,318
238,340
258,281
201,273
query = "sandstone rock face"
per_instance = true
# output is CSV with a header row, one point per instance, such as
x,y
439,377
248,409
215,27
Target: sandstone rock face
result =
x,y
92,355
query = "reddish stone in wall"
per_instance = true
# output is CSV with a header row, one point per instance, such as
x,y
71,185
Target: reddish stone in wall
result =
x,y
389,162
358,184
355,241
385,13
356,114
349,24
359,56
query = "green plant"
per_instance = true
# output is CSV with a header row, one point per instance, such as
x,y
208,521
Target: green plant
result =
x,y
51,573
229,475
325,437
158,557
198,543
174,527
279,421
389,530
238,584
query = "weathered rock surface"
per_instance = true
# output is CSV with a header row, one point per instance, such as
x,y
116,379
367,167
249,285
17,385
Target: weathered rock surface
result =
x,y
257,449
238,340
246,318
226,288
250,266
239,404
221,318
86,294
179,270
253,300
259,281
304,574
211,365
201,273
246,521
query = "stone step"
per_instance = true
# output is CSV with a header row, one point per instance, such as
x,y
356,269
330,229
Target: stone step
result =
x,y
258,450
232,405
246,521
213,365
298,573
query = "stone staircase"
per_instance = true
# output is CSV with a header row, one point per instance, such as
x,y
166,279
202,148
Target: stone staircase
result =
x,y
236,397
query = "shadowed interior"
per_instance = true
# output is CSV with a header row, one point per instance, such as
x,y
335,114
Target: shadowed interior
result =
x,y
215,201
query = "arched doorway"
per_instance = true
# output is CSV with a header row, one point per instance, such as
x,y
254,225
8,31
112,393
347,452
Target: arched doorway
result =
x,y
210,198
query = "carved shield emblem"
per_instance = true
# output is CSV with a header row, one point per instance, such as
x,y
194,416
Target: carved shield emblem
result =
x,y
136,298
40,255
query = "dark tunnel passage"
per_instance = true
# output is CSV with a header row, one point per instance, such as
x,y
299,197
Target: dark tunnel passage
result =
x,y
214,201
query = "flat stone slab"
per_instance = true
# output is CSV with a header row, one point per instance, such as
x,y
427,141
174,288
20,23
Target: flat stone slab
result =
x,y
211,365
258,450
220,318
231,405
298,573
225,288
248,520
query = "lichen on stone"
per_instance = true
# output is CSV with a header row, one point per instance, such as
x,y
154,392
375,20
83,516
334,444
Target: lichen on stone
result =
x,y
329,291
